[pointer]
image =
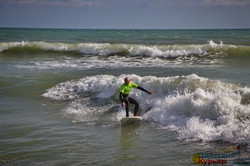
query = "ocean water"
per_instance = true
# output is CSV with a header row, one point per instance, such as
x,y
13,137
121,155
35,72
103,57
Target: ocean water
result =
x,y
59,97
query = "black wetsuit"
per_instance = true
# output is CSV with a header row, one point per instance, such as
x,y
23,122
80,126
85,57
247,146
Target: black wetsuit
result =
x,y
126,99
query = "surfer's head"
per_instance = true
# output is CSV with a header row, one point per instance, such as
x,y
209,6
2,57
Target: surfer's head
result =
x,y
126,80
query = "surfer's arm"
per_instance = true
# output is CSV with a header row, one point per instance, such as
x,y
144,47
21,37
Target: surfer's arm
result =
x,y
144,90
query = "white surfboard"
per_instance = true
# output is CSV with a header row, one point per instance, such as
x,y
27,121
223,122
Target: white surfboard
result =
x,y
131,120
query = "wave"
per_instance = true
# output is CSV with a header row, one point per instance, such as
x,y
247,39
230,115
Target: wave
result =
x,y
107,49
197,108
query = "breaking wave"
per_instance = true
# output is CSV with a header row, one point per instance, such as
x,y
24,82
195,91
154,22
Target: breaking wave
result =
x,y
107,49
197,108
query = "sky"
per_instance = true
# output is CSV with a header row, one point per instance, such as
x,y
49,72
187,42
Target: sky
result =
x,y
126,14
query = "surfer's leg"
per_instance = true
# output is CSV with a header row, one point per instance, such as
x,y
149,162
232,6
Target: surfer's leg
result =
x,y
126,107
133,101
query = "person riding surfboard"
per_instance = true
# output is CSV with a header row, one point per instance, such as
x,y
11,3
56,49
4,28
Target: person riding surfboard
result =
x,y
125,88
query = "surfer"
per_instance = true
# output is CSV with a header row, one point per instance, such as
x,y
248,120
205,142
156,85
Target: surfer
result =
x,y
125,88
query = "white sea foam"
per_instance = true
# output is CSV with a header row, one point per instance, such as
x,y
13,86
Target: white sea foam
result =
x,y
196,107
74,89
95,62
104,49
106,55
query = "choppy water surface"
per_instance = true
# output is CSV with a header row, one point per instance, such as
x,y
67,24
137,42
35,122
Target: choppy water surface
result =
x,y
59,97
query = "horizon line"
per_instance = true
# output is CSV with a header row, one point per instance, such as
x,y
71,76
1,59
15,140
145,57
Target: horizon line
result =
x,y
124,28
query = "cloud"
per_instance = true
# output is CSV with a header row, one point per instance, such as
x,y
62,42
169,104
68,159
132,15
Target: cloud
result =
x,y
224,3
58,3
202,3
126,3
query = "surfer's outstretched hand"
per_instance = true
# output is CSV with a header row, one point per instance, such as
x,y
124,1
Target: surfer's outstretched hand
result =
x,y
150,93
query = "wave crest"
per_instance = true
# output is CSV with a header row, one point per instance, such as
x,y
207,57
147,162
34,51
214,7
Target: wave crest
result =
x,y
106,49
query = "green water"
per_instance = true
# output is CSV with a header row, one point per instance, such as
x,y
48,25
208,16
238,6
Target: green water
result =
x,y
78,127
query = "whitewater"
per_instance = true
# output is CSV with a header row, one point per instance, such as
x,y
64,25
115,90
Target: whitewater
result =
x,y
104,49
82,56
196,107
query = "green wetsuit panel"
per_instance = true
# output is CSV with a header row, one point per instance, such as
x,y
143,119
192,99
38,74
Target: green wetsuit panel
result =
x,y
125,89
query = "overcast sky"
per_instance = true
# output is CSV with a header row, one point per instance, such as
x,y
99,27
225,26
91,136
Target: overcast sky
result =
x,y
125,14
